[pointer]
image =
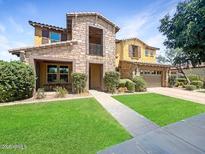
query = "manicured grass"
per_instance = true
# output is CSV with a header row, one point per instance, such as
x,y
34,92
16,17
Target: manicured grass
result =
x,y
76,127
161,109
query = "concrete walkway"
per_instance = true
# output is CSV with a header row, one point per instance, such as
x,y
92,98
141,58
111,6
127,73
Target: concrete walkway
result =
x,y
133,122
180,93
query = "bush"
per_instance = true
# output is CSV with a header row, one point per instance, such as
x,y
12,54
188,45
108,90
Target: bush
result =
x,y
130,86
16,81
140,84
122,82
111,80
190,87
180,84
122,89
79,82
194,78
60,91
172,81
40,94
182,80
198,84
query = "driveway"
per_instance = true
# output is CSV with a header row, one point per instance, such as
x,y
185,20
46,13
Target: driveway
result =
x,y
184,137
180,93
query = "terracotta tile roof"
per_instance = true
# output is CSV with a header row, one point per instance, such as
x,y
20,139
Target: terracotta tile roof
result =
x,y
56,44
32,23
135,38
95,14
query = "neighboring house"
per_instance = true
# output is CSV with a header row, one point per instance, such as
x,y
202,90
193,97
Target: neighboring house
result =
x,y
134,57
88,45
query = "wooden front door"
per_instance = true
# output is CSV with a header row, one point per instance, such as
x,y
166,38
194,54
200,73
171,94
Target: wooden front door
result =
x,y
95,76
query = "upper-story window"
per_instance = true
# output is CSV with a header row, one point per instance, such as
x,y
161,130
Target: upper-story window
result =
x,y
146,53
134,51
152,53
95,41
55,37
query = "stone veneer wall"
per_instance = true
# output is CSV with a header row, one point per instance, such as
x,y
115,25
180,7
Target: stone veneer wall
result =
x,y
78,53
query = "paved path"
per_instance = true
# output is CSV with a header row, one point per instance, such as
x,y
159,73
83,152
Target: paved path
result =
x,y
133,122
184,137
179,93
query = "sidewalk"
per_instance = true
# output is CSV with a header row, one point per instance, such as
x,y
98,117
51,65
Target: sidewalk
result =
x,y
133,122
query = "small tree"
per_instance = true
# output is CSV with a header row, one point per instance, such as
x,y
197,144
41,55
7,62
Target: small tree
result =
x,y
111,80
79,82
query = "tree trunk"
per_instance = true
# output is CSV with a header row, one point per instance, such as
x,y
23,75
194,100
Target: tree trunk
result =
x,y
180,69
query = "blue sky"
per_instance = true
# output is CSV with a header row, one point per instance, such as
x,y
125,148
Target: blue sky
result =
x,y
136,18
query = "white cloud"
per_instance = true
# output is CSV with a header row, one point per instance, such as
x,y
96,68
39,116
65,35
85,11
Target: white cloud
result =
x,y
17,27
144,24
5,45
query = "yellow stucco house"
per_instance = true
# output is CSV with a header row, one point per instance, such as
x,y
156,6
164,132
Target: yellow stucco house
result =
x,y
135,57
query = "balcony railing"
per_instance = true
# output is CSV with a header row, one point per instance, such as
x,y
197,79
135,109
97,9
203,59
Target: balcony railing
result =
x,y
95,49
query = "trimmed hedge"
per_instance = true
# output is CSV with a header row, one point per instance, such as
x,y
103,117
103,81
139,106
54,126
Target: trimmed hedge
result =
x,y
111,81
16,81
79,82
140,84
198,84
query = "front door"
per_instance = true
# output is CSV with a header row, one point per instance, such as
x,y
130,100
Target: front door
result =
x,y
95,76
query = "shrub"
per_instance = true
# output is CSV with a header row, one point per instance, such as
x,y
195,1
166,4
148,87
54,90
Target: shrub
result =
x,y
190,87
198,84
180,84
122,89
194,78
40,94
172,81
111,80
122,82
79,82
130,86
60,91
16,81
140,84
182,80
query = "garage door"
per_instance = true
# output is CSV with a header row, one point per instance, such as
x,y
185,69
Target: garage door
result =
x,y
152,79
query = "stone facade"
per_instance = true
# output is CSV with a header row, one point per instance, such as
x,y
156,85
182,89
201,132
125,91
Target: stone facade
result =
x,y
130,69
78,53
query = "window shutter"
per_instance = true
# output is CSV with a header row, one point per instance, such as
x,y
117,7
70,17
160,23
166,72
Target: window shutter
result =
x,y
139,52
130,51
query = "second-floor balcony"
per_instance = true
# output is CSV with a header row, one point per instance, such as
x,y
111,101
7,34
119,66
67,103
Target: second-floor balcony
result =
x,y
95,49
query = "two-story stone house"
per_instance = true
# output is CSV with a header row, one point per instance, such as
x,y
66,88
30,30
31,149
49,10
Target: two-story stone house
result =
x,y
87,45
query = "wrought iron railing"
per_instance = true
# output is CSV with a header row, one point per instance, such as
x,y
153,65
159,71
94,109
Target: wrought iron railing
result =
x,y
95,49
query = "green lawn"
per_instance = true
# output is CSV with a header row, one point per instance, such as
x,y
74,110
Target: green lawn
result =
x,y
161,109
75,127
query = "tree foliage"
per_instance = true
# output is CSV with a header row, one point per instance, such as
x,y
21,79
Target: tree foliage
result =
x,y
186,30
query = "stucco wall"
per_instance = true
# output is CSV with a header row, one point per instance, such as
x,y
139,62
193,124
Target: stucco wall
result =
x,y
122,49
